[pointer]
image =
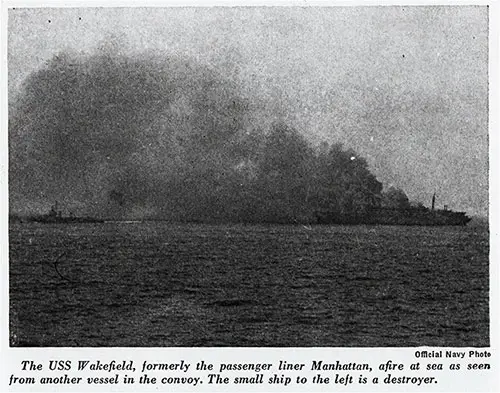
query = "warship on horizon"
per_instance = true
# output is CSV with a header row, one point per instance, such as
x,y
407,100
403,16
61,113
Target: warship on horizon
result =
x,y
54,216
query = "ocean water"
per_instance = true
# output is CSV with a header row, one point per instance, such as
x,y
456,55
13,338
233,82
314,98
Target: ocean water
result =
x,y
158,284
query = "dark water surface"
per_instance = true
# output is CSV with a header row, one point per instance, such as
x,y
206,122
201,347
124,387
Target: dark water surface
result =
x,y
159,284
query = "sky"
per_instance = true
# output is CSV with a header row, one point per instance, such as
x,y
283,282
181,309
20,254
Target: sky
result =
x,y
405,87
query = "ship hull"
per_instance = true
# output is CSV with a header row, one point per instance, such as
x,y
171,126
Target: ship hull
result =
x,y
65,220
383,216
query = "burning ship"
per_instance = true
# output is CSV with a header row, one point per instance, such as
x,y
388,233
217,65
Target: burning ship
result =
x,y
419,215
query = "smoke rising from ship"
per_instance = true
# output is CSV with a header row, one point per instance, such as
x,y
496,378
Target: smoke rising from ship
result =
x,y
411,99
163,137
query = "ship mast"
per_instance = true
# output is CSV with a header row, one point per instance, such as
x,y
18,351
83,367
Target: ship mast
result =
x,y
433,200
55,209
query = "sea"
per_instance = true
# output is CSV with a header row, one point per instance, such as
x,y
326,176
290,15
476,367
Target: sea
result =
x,y
158,284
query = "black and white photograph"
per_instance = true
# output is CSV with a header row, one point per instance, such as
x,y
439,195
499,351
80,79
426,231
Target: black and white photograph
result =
x,y
264,176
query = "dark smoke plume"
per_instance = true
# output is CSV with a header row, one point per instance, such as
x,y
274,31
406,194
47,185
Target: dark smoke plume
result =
x,y
161,137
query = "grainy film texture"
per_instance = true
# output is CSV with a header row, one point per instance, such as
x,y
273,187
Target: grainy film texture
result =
x,y
238,177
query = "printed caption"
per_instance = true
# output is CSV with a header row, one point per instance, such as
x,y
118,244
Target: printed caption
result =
x,y
423,371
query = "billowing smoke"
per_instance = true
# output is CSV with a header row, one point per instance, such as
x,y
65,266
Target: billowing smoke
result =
x,y
162,137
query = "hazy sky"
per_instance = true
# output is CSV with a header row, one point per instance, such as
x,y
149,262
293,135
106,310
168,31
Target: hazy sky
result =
x,y
406,87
